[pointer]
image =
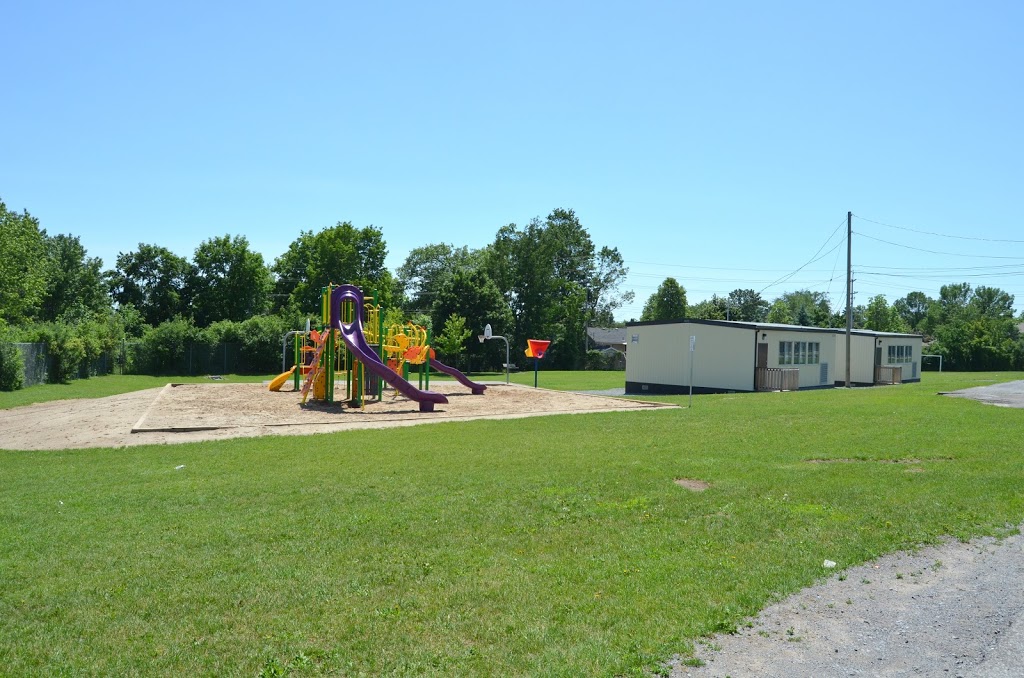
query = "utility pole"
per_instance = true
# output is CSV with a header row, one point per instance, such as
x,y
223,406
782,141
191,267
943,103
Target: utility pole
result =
x,y
849,291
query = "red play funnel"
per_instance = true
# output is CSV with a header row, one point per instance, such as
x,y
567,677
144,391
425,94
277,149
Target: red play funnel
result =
x,y
537,348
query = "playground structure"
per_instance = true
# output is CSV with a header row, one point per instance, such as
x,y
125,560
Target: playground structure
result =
x,y
353,342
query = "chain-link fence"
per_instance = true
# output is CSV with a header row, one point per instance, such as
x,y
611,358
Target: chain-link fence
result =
x,y
188,360
133,358
36,359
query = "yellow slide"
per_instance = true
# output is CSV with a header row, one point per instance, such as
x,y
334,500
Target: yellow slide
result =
x,y
279,380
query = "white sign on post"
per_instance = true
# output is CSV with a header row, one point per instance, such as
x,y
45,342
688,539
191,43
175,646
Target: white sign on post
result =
x,y
693,343
487,331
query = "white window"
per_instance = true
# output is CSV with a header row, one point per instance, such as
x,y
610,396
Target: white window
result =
x,y
898,354
785,353
799,352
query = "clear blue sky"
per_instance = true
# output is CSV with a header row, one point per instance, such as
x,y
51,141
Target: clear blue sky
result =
x,y
717,142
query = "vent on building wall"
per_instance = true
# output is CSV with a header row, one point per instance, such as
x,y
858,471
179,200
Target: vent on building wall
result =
x,y
824,374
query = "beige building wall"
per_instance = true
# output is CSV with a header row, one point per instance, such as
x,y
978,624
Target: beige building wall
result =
x,y
660,354
862,358
810,373
911,367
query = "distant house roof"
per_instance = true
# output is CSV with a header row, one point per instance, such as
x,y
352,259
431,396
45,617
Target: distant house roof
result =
x,y
607,336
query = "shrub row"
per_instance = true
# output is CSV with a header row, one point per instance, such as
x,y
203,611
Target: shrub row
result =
x,y
178,346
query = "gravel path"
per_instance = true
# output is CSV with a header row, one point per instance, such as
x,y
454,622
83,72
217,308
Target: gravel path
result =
x,y
1009,394
949,610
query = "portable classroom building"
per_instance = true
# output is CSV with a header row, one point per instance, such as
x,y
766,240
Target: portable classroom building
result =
x,y
873,355
739,356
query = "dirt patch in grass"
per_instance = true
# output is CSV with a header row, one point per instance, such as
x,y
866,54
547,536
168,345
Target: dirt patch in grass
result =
x,y
195,412
692,484
844,460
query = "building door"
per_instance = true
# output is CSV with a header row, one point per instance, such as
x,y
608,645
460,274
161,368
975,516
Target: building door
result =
x,y
878,356
762,355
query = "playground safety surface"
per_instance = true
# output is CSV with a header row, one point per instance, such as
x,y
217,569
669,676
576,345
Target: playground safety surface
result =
x,y
195,412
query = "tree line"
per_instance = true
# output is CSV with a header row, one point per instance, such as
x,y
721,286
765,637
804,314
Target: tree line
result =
x,y
545,279
973,328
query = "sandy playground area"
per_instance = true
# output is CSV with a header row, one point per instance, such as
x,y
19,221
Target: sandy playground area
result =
x,y
193,412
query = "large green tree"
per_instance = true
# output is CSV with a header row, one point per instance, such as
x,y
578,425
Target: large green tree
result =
x,y
556,282
881,317
715,308
913,308
522,266
429,267
747,305
976,329
808,308
780,313
667,303
152,279
337,254
75,289
23,265
471,294
228,281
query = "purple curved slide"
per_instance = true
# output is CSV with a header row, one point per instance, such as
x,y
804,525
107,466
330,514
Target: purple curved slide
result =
x,y
352,335
478,389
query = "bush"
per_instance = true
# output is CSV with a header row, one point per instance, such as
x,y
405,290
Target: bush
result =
x,y
261,337
12,368
596,360
165,348
75,348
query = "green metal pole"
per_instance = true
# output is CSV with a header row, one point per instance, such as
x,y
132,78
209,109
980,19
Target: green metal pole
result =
x,y
380,342
296,342
329,381
426,360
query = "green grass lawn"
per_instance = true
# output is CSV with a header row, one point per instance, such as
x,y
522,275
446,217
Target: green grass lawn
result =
x,y
542,546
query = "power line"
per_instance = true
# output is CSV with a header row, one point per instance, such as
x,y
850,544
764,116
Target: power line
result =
x,y
785,278
941,235
942,269
950,254
709,268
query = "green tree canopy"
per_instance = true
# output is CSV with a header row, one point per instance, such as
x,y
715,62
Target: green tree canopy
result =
x,y
913,309
808,308
471,294
710,309
228,281
556,282
780,313
881,317
747,306
23,265
75,288
427,268
338,254
976,329
152,279
667,303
